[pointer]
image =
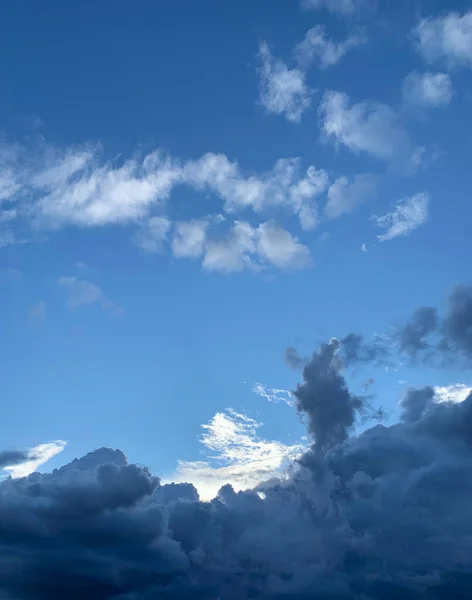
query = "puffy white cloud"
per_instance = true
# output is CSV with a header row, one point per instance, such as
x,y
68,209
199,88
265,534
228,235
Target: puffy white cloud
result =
x,y
281,248
369,127
407,215
232,252
83,293
446,39
189,238
456,392
345,195
238,456
282,91
316,45
427,89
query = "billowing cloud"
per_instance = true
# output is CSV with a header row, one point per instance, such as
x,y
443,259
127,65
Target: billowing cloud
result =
x,y
427,89
282,91
317,46
446,39
406,217
334,524
366,127
83,293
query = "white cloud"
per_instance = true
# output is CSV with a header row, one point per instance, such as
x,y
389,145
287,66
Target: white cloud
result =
x,y
369,127
316,45
273,394
427,89
231,253
345,195
37,457
446,39
238,456
337,7
281,248
282,91
189,238
83,293
408,215
152,234
457,392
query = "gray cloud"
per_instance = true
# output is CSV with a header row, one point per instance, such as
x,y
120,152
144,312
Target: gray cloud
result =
x,y
381,514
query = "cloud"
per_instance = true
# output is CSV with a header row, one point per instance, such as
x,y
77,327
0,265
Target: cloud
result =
x,y
344,196
446,39
83,293
282,91
316,45
239,456
456,392
331,520
427,89
281,248
406,217
152,234
273,394
23,464
337,7
369,127
255,248
189,238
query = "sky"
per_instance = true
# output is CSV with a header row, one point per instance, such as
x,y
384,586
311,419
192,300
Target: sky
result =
x,y
185,192
193,197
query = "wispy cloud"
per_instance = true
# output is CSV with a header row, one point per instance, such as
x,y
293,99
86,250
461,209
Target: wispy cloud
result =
x,y
427,89
369,127
235,454
282,91
338,7
406,217
83,293
189,238
345,195
317,46
273,394
446,39
35,457
152,234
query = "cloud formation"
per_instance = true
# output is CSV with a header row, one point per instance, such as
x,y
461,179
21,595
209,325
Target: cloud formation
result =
x,y
338,7
427,89
406,217
345,195
317,45
282,91
21,464
333,525
446,39
83,293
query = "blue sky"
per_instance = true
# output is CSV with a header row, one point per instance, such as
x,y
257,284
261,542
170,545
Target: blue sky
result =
x,y
186,189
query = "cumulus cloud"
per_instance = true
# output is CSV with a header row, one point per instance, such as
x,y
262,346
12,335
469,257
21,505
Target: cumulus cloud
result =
x,y
345,195
406,217
366,127
282,91
239,456
317,45
446,39
281,248
334,524
427,89
82,293
189,238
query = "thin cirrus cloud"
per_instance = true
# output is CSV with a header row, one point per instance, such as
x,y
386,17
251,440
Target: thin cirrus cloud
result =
x,y
282,91
235,454
85,293
338,7
407,215
427,89
317,46
446,39
273,394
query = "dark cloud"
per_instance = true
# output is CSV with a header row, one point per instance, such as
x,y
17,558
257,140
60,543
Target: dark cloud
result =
x,y
382,515
8,458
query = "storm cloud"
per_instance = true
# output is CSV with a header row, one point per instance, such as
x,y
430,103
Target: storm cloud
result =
x,y
379,515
